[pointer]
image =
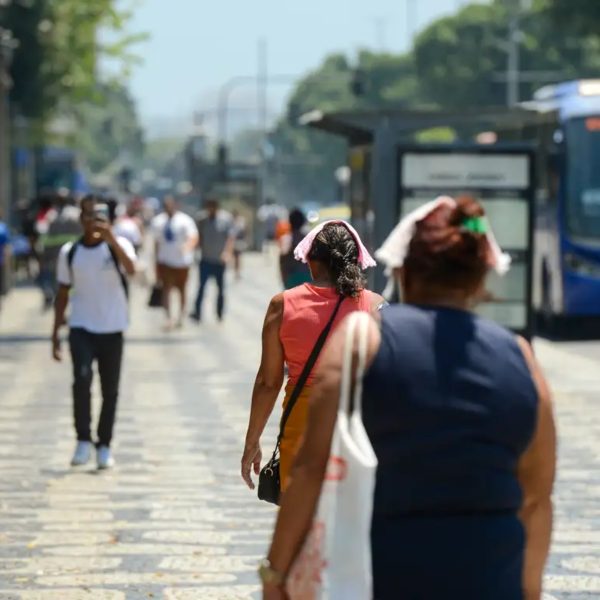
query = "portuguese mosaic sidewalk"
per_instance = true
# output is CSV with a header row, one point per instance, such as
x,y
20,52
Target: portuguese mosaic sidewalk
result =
x,y
173,520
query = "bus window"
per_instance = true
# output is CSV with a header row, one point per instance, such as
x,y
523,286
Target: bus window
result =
x,y
583,199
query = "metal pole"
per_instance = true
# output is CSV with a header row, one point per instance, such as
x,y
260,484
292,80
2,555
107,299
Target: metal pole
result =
x,y
223,108
263,115
411,18
262,84
514,56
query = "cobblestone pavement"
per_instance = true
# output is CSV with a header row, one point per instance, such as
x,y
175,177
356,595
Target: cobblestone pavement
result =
x,y
173,520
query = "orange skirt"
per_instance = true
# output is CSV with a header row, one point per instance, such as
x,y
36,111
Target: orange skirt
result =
x,y
294,432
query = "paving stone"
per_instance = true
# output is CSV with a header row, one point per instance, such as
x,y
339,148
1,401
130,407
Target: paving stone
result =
x,y
173,520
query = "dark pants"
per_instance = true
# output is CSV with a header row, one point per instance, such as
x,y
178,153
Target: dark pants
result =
x,y
209,270
107,350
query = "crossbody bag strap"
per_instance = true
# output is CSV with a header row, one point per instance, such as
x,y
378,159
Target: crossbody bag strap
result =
x,y
308,367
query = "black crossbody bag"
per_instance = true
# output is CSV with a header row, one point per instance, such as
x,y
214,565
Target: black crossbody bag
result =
x,y
269,484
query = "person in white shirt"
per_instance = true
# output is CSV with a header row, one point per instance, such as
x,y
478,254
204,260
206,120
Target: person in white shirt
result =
x,y
130,227
176,237
92,276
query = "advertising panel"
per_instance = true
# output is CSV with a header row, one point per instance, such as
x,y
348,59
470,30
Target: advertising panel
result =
x,y
502,181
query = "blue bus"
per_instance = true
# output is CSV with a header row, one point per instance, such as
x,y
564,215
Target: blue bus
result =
x,y
58,168
565,126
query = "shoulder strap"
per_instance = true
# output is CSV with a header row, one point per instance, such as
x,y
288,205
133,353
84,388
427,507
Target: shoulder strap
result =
x,y
122,275
71,256
308,367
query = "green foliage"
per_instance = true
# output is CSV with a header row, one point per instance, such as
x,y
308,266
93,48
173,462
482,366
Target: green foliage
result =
x,y
108,128
580,16
60,45
473,44
307,158
457,62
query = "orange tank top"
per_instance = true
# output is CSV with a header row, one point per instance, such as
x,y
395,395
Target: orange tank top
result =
x,y
306,310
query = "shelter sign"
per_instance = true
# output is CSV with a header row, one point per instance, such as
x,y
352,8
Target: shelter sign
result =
x,y
502,180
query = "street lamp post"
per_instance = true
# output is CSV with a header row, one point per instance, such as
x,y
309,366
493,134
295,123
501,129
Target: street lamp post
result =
x,y
7,45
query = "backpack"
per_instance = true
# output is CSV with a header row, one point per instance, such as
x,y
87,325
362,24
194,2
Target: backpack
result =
x,y
115,260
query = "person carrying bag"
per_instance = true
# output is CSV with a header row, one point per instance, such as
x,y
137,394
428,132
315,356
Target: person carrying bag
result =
x,y
335,560
269,481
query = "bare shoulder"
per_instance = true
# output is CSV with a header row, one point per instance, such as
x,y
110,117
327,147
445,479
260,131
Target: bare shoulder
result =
x,y
376,300
526,349
274,314
543,389
276,304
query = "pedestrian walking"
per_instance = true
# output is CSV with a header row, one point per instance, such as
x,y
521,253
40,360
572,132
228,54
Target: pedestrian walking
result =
x,y
130,226
5,242
176,238
293,272
92,277
240,244
217,239
460,418
293,324
63,227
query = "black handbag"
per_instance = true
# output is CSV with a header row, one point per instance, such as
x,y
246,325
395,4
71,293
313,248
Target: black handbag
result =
x,y
269,483
155,300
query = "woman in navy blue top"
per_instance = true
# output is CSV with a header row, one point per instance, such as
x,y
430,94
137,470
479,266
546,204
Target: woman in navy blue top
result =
x,y
460,418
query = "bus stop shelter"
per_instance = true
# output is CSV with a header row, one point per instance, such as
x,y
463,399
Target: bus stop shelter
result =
x,y
392,174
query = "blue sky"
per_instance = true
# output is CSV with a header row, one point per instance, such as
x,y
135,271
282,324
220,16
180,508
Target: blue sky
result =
x,y
196,45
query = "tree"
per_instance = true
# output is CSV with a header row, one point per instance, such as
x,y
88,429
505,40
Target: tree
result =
x,y
473,46
580,16
108,128
56,63
306,159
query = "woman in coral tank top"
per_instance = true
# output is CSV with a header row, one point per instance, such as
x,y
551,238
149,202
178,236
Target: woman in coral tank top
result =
x,y
293,323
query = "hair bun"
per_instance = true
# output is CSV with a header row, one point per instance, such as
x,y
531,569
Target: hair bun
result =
x,y
443,253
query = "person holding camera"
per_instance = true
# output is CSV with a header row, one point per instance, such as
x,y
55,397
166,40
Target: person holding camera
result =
x,y
92,274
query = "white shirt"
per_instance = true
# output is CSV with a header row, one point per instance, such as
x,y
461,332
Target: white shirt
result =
x,y
172,250
98,300
126,227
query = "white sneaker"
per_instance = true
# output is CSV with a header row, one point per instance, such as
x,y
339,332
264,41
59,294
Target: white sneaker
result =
x,y
104,457
82,454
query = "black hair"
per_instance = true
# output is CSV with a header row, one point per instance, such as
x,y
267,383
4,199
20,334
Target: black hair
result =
x,y
297,219
336,248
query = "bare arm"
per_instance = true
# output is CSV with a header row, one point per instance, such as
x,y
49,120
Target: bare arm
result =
x,y
192,242
267,386
300,498
229,248
60,306
124,260
536,471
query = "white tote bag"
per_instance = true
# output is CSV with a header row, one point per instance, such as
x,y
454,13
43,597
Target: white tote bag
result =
x,y
335,560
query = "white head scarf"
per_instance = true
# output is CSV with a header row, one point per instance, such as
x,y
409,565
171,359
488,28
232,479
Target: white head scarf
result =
x,y
394,249
302,250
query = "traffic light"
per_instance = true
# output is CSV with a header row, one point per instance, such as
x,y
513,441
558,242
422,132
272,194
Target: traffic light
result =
x,y
358,83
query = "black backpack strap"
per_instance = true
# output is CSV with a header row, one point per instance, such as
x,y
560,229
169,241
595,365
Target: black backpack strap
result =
x,y
308,367
122,276
71,256
113,255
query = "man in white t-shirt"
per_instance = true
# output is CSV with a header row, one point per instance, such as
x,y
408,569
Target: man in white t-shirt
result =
x,y
92,276
176,237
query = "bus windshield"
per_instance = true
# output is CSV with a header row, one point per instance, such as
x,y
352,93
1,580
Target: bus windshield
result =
x,y
583,199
